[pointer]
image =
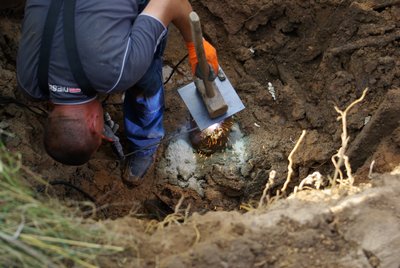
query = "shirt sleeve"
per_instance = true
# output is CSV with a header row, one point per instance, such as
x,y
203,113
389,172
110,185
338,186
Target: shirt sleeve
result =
x,y
146,34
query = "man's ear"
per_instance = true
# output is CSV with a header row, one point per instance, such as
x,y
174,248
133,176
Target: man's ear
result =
x,y
96,125
93,124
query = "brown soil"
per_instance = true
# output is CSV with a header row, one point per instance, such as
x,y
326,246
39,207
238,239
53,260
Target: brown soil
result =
x,y
316,55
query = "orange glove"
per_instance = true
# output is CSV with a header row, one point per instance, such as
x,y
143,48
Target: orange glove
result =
x,y
211,56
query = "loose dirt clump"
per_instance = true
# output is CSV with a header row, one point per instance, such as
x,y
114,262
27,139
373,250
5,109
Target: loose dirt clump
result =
x,y
290,62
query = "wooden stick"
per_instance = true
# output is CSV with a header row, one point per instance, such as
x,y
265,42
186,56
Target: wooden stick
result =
x,y
201,55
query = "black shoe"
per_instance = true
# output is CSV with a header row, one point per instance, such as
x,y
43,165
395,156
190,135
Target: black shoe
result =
x,y
136,169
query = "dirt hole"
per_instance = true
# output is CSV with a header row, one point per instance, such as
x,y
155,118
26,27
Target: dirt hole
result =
x,y
290,63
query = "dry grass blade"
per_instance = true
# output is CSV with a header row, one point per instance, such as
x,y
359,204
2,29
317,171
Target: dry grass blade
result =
x,y
29,250
82,244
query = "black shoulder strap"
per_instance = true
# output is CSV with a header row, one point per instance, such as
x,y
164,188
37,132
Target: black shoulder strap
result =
x,y
45,47
70,47
72,51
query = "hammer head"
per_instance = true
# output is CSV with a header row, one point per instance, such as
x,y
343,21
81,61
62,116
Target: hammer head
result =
x,y
202,107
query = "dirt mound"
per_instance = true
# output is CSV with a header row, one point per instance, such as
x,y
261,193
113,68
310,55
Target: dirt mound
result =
x,y
291,62
350,227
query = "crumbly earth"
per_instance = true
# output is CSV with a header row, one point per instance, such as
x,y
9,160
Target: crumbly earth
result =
x,y
291,63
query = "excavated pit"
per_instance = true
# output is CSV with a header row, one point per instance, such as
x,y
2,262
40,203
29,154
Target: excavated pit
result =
x,y
289,61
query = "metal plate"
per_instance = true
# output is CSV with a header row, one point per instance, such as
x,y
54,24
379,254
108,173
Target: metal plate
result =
x,y
192,99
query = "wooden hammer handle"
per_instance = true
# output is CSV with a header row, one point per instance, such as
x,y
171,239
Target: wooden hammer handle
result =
x,y
201,55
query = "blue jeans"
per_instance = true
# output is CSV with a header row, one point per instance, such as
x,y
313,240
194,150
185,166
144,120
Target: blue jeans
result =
x,y
144,108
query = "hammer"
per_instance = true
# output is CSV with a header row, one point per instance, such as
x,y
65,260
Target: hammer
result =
x,y
212,98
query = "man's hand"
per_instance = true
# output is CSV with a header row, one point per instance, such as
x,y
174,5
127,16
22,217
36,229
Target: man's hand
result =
x,y
177,12
110,128
211,56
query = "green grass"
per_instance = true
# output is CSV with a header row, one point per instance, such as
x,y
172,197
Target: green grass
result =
x,y
41,232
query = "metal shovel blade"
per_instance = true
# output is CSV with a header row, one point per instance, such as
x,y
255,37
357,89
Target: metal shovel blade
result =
x,y
193,100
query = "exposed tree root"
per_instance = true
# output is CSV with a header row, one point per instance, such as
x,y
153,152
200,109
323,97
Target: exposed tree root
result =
x,y
366,42
340,158
290,158
387,3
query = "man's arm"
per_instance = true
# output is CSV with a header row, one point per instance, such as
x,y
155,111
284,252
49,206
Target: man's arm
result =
x,y
175,11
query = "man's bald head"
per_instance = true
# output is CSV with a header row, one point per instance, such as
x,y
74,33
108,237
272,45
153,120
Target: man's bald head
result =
x,y
73,132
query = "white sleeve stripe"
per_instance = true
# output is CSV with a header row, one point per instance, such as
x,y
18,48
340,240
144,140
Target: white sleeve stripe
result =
x,y
122,67
160,38
151,16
